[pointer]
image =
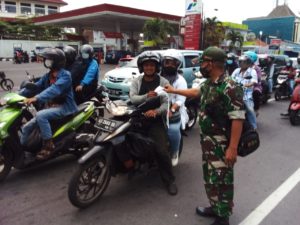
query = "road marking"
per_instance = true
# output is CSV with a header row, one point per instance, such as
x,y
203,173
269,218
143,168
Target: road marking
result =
x,y
271,100
258,214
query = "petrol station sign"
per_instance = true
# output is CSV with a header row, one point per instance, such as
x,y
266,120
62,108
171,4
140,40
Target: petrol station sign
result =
x,y
192,24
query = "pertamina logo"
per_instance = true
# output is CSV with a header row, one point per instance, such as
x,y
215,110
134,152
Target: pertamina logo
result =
x,y
192,5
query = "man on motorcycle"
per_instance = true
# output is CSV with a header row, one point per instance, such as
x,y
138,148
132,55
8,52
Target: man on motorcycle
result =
x,y
85,81
257,88
291,76
54,90
171,62
246,76
231,63
142,88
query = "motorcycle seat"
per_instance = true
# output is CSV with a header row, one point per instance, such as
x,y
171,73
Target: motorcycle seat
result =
x,y
59,122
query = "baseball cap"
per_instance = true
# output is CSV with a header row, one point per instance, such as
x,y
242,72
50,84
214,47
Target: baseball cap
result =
x,y
214,54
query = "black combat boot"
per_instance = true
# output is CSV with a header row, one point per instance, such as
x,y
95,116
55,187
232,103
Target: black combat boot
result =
x,y
221,221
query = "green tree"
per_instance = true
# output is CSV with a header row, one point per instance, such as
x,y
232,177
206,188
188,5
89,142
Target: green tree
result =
x,y
214,32
157,30
236,40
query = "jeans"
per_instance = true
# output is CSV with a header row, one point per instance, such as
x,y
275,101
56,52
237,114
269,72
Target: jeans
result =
x,y
174,134
291,85
250,113
270,83
42,121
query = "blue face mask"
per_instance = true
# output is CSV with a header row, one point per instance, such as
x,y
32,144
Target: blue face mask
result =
x,y
229,61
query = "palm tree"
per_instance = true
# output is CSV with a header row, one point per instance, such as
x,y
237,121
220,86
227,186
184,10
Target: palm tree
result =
x,y
236,40
157,30
214,32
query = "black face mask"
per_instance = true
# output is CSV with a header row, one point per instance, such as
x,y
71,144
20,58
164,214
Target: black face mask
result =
x,y
170,71
205,72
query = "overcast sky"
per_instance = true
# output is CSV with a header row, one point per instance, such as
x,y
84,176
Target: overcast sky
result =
x,y
224,10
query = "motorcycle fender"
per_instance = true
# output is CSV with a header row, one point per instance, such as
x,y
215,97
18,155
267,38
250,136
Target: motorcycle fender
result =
x,y
295,106
94,151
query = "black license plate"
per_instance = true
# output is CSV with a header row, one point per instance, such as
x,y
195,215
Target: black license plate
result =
x,y
107,125
114,92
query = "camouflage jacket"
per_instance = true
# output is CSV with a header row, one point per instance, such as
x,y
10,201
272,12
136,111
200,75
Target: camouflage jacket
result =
x,y
220,102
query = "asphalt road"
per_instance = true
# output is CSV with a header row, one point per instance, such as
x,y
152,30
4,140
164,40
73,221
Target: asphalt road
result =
x,y
39,195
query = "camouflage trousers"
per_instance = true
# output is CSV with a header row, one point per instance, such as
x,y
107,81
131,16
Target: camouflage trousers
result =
x,y
218,177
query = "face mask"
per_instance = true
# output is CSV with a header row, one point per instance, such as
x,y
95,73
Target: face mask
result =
x,y
48,63
85,55
170,70
205,72
229,61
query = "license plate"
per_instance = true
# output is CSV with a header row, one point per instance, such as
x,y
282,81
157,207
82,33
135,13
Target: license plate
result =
x,y
113,92
107,125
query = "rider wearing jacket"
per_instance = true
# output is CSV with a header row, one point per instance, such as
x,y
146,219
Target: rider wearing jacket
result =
x,y
54,91
142,88
171,62
85,82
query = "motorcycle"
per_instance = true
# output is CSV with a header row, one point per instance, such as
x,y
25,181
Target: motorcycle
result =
x,y
294,108
192,104
282,86
120,133
73,134
265,96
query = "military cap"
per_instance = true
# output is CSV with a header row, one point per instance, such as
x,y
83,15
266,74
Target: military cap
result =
x,y
215,54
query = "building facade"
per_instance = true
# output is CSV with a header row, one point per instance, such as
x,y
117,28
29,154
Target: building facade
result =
x,y
281,23
29,8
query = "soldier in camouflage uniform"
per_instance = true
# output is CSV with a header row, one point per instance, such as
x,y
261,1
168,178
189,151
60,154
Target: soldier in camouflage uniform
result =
x,y
221,116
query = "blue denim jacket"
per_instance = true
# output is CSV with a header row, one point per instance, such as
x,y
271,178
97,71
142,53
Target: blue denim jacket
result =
x,y
62,86
91,73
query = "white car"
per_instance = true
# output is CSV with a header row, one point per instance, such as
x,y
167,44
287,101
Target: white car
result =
x,y
118,81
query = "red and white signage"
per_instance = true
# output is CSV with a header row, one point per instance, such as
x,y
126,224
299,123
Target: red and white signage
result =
x,y
192,31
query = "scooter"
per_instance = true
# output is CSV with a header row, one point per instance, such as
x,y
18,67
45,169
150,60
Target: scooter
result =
x,y
73,134
282,86
294,108
265,96
121,133
192,104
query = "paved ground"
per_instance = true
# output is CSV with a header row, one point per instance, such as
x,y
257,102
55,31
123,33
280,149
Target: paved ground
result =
x,y
39,195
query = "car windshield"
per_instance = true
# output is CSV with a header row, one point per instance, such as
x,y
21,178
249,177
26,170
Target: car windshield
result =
x,y
132,63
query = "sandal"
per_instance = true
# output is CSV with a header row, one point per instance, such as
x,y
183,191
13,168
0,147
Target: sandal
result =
x,y
44,154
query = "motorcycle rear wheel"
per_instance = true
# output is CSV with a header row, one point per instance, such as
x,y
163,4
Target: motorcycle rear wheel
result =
x,y
89,182
5,166
294,117
277,96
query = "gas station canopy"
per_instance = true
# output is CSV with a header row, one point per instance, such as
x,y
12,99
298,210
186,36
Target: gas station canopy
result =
x,y
106,17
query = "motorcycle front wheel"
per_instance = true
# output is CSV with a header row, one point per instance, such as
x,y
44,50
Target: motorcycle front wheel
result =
x,y
7,84
89,182
5,166
294,117
277,95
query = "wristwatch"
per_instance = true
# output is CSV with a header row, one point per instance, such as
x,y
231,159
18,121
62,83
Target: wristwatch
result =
x,y
173,110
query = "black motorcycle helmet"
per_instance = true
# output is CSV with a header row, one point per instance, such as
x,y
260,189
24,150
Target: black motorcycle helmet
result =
x,y
56,55
245,59
149,56
70,54
86,51
298,60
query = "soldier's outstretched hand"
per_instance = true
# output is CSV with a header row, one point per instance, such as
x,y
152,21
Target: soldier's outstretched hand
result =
x,y
169,89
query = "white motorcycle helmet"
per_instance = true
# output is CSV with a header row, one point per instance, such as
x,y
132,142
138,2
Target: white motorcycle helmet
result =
x,y
173,54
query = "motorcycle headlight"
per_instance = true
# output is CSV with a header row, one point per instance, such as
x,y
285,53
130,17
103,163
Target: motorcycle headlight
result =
x,y
2,124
